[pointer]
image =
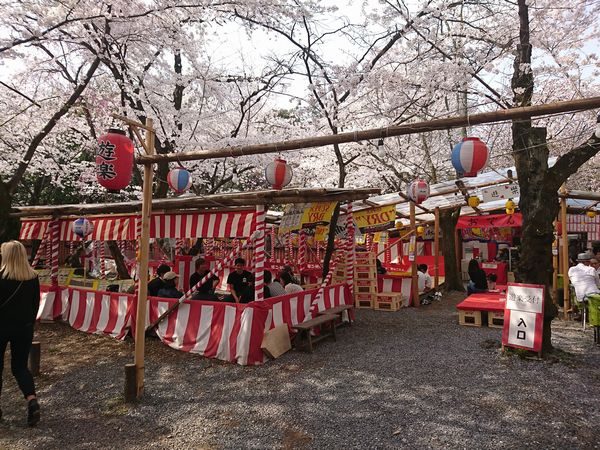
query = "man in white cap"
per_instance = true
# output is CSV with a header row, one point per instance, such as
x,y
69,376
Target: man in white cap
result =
x,y
584,277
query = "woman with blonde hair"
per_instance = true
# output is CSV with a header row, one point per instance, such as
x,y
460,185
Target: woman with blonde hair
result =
x,y
19,303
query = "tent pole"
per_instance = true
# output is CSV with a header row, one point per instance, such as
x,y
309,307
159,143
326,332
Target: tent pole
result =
x,y
413,264
436,249
565,261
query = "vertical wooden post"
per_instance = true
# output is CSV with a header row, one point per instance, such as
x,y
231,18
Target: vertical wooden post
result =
x,y
140,328
413,263
436,249
565,261
555,267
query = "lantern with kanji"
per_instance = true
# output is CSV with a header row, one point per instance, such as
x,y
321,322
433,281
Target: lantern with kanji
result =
x,y
179,180
470,156
418,191
278,174
114,160
82,227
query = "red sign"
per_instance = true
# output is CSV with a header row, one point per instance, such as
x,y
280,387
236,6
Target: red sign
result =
x,y
490,221
524,316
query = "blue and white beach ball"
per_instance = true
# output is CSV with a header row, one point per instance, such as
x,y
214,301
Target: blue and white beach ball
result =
x,y
83,227
179,179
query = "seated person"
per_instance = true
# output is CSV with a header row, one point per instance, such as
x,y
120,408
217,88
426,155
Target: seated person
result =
x,y
380,269
478,278
207,290
272,288
157,283
238,281
169,289
286,269
502,255
289,285
584,277
424,281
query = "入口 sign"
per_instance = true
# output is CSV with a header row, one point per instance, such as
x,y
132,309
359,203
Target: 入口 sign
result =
x,y
524,316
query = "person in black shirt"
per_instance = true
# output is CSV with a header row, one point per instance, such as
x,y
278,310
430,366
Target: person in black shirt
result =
x,y
239,282
478,282
169,289
207,290
157,283
19,304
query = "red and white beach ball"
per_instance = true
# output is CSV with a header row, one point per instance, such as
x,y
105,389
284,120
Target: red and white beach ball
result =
x,y
418,191
179,179
470,156
278,174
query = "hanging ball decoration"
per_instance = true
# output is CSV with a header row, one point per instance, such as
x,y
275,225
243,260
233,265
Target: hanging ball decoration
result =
x,y
473,201
82,227
278,174
418,191
510,211
420,230
591,214
398,225
179,179
470,156
114,160
510,204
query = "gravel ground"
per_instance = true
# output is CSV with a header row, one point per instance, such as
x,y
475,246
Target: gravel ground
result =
x,y
411,379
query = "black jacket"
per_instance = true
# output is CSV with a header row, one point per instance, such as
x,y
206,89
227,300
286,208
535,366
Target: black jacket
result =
x,y
22,308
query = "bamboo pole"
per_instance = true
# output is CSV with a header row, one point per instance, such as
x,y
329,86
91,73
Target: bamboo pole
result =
x,y
397,242
565,261
413,263
555,268
436,249
380,133
140,328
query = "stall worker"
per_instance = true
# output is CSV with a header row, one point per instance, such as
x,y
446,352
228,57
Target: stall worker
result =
x,y
207,290
424,279
169,289
289,285
380,269
157,283
272,288
239,282
584,277
478,278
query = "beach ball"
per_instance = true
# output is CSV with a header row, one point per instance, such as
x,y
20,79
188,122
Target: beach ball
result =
x,y
83,227
470,156
179,179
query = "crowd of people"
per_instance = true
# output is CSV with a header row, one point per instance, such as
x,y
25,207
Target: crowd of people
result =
x,y
240,283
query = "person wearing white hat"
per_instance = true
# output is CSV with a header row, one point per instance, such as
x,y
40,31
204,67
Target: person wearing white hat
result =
x,y
169,289
584,277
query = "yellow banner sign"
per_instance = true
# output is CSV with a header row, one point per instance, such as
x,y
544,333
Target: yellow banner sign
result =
x,y
375,218
318,213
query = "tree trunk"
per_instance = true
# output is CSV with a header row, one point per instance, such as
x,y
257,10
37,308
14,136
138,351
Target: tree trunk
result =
x,y
330,239
118,257
452,277
9,226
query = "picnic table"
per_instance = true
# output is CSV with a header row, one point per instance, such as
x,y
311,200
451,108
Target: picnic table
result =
x,y
471,309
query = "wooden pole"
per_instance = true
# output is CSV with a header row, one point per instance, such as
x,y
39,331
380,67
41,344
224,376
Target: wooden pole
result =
x,y
436,249
140,329
555,267
380,133
413,263
565,261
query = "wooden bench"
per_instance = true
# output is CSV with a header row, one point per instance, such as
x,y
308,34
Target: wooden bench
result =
x,y
304,337
338,311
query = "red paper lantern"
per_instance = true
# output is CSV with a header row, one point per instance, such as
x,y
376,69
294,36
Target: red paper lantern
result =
x,y
418,191
114,160
278,174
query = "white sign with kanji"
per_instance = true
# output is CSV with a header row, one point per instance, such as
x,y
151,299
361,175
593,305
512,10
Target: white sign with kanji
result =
x,y
524,316
502,192
525,298
521,329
